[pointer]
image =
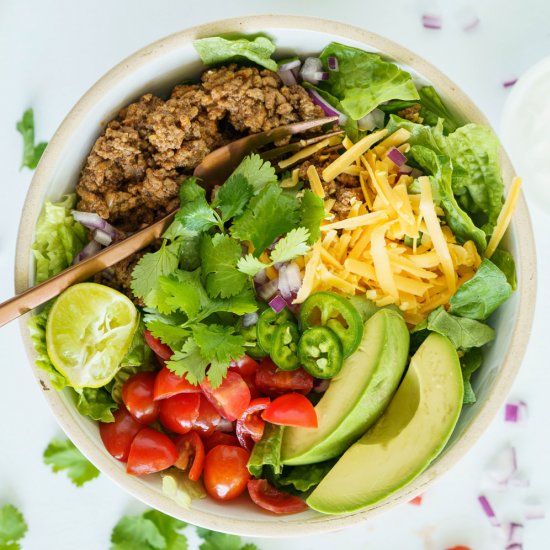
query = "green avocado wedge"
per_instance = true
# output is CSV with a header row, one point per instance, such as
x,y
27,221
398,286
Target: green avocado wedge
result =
x,y
407,438
357,396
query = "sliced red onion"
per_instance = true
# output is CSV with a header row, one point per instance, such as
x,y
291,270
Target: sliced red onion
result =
x,y
290,65
277,304
534,510
332,63
249,319
509,83
328,109
514,534
515,412
312,71
284,286
267,291
514,546
93,221
489,512
467,18
102,237
225,425
93,247
294,277
375,119
279,265
396,156
260,278
287,77
431,21
320,386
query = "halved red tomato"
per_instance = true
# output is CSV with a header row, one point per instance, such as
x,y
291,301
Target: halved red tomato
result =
x,y
220,438
269,498
250,427
190,454
225,472
117,436
137,395
160,349
151,452
168,384
208,419
231,398
291,409
179,413
245,366
273,382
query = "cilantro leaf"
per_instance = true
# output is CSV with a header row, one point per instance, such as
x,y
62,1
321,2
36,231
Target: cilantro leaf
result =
x,y
63,455
244,302
190,190
179,292
312,212
257,172
31,152
171,335
268,215
152,266
292,245
168,527
12,527
222,541
219,345
137,533
220,255
233,196
189,362
198,215
250,265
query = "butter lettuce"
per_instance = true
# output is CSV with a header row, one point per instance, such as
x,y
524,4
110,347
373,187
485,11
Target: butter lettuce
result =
x,y
364,81
482,294
267,452
505,262
470,362
304,478
95,403
58,238
216,50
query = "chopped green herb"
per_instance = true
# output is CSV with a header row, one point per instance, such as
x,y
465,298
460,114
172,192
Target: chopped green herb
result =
x,y
31,152
12,527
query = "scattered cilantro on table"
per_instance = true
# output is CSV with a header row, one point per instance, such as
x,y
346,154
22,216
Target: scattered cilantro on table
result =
x,y
12,527
63,455
31,152
222,541
200,280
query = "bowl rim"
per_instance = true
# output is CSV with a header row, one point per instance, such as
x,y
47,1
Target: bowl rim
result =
x,y
521,227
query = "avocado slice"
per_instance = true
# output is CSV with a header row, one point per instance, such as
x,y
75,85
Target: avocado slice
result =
x,y
357,396
409,435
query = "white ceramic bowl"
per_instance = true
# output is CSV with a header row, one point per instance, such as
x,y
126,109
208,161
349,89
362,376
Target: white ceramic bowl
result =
x,y
157,68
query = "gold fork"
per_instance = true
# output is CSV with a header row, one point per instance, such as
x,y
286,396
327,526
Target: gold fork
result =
x,y
213,170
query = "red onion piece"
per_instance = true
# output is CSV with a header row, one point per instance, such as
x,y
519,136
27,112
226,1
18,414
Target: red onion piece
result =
x,y
320,386
396,156
93,247
294,277
515,412
509,83
489,512
431,21
267,291
277,304
312,70
514,546
290,65
102,237
534,510
249,319
328,109
93,221
332,63
375,119
467,18
260,278
225,425
513,533
287,77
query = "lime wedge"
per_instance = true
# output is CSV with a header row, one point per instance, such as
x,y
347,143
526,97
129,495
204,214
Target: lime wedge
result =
x,y
89,330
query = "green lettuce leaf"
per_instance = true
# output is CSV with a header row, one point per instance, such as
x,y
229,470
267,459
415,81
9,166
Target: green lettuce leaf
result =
x,y
58,238
463,333
505,262
364,80
470,362
482,294
216,50
177,486
96,403
267,452
304,478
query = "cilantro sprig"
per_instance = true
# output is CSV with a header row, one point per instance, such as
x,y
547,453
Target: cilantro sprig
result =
x,y
200,280
31,152
12,527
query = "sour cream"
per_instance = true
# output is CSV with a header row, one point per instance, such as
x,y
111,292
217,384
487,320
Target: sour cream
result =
x,y
525,131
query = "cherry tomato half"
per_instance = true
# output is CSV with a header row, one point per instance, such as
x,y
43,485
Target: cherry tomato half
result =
x,y
137,395
266,496
231,398
190,454
273,382
225,472
245,366
220,438
117,436
151,452
168,384
160,349
291,409
208,419
250,427
179,413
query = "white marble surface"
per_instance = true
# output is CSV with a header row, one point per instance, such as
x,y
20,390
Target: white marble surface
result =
x,y
51,52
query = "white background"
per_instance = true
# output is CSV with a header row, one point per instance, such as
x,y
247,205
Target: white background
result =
x,y
51,52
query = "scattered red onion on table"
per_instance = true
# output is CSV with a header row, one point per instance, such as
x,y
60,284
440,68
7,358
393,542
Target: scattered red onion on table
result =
x,y
489,512
515,412
431,21
509,83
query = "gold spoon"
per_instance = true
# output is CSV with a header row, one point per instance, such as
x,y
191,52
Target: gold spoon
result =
x,y
213,170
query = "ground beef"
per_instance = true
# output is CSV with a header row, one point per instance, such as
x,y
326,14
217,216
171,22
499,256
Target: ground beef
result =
x,y
133,172
345,197
412,113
